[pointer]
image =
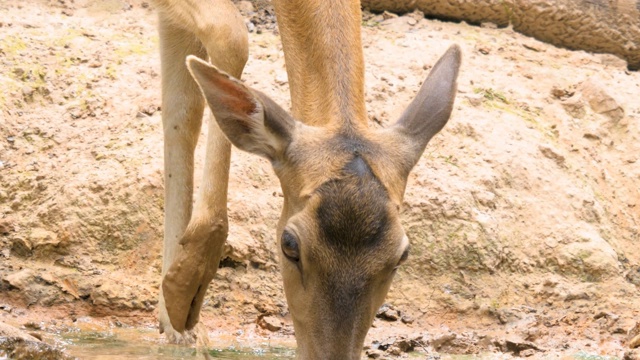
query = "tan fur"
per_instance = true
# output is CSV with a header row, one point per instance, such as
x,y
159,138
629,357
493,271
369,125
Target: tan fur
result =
x,y
343,182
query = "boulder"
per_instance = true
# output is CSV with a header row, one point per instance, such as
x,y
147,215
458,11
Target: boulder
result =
x,y
600,26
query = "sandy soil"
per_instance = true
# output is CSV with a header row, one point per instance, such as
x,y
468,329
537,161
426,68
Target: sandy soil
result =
x,y
523,213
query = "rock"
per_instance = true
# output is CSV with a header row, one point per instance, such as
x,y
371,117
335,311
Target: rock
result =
x,y
241,247
475,99
270,323
573,295
611,60
621,325
12,332
394,350
574,106
390,315
527,353
20,279
561,94
389,15
251,27
442,340
266,308
21,349
245,7
416,15
19,345
21,247
631,355
404,345
281,79
5,227
534,46
600,101
633,276
374,353
43,239
484,50
634,331
589,254
517,346
407,319
508,315
635,342
387,312
552,154
485,198
115,295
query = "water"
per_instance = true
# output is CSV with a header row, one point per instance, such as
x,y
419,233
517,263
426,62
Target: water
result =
x,y
147,345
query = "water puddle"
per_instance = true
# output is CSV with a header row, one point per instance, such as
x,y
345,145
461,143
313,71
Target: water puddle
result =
x,y
147,344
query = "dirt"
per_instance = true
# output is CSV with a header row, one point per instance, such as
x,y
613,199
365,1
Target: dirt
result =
x,y
523,213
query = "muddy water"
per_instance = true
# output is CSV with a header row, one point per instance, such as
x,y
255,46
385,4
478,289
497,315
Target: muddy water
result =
x,y
146,345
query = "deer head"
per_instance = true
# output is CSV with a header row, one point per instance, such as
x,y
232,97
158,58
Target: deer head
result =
x,y
340,237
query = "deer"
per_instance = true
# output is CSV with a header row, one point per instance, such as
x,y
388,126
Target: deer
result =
x,y
340,239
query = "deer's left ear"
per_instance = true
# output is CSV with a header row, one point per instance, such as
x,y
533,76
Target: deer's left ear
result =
x,y
250,120
430,110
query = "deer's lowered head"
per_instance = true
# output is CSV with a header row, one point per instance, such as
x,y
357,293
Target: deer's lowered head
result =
x,y
340,236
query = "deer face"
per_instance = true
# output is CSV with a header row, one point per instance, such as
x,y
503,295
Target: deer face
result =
x,y
341,242
339,234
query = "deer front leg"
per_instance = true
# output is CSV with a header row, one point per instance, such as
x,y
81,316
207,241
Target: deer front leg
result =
x,y
220,29
182,109
185,284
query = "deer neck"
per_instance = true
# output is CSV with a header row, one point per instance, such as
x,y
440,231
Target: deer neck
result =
x,y
323,54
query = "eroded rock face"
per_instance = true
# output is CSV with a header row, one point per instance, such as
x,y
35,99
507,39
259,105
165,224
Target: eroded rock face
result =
x,y
19,345
597,26
588,255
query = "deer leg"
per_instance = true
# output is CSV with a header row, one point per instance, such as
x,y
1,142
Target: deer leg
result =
x,y
182,109
194,266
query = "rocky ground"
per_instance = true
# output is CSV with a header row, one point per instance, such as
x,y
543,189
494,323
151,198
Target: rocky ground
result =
x,y
523,213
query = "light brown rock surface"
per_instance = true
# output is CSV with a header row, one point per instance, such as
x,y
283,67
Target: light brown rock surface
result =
x,y
592,25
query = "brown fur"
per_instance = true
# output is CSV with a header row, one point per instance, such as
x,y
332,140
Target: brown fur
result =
x,y
342,182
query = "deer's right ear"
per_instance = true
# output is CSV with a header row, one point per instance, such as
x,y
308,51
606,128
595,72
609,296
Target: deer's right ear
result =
x,y
250,120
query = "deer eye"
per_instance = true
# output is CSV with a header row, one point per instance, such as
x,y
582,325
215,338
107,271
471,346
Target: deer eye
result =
x,y
290,247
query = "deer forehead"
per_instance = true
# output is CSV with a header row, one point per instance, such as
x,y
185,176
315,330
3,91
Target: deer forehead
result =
x,y
350,220
318,156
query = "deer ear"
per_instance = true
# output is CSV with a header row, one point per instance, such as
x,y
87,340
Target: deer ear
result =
x,y
430,110
250,120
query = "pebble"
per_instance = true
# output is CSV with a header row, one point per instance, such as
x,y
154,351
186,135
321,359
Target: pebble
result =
x,y
245,7
406,319
374,353
270,323
600,100
389,15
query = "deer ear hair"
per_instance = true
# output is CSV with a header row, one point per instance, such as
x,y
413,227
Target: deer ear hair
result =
x,y
430,110
249,119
